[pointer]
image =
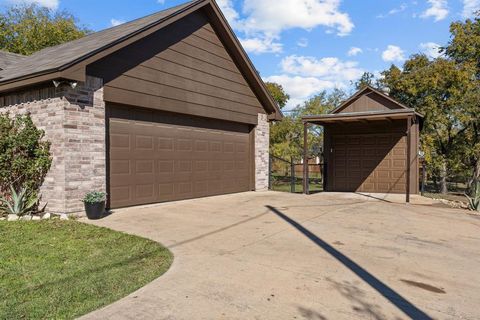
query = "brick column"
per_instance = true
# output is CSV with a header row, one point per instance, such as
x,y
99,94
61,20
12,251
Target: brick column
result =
x,y
85,157
262,143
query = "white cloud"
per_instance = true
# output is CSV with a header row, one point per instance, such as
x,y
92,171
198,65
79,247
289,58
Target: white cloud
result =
x,y
51,4
438,10
354,51
329,68
267,19
470,7
229,11
393,53
116,22
303,77
431,49
302,42
261,45
394,11
300,88
274,16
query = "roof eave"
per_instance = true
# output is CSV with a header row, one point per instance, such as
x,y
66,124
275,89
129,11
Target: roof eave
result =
x,y
354,116
71,70
275,113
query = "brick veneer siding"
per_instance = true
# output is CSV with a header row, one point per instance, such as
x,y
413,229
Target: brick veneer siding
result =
x,y
74,123
262,142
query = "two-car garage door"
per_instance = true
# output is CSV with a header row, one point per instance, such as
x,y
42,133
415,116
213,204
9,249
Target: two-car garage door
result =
x,y
156,156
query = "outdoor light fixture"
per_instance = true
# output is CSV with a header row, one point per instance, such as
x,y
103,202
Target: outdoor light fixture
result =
x,y
72,84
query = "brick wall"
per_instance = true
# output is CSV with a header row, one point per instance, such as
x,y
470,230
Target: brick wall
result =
x,y
84,125
262,142
74,123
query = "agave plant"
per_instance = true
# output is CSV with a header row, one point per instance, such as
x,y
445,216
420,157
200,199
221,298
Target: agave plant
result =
x,y
474,199
20,203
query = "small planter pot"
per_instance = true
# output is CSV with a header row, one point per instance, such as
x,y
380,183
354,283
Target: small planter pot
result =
x,y
94,210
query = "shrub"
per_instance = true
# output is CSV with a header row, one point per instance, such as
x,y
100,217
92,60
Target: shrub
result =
x,y
24,155
94,197
474,198
20,203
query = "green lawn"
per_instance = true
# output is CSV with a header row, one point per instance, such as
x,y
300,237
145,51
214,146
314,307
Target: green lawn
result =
x,y
286,186
63,269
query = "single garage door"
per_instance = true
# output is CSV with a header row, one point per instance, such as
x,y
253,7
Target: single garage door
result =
x,y
156,156
370,163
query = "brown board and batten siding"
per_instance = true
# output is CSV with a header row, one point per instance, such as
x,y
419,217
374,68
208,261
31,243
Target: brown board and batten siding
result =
x,y
183,68
368,102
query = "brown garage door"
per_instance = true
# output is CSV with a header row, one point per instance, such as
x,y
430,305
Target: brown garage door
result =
x,y
156,156
369,163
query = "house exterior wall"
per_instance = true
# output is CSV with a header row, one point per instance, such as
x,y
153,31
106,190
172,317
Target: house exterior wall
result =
x,y
74,123
46,107
183,68
262,142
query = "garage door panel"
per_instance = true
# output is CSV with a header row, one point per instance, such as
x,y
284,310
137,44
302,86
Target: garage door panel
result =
x,y
369,162
145,191
163,161
121,195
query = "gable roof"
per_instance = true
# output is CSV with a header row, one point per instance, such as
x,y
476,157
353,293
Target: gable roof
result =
x,y
7,59
69,60
365,91
62,55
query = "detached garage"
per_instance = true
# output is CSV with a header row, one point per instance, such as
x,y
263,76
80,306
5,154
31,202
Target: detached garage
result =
x,y
370,145
166,107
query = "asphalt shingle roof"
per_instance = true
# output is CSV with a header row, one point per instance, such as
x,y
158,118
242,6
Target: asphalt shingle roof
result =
x,y
8,59
52,58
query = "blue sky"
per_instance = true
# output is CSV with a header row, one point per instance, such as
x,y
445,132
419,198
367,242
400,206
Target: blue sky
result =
x,y
308,45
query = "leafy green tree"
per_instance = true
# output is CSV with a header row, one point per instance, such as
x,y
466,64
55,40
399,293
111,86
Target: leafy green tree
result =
x,y
286,139
464,44
464,49
366,80
25,29
278,93
438,89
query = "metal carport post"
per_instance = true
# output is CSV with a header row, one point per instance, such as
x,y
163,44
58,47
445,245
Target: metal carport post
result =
x,y
305,158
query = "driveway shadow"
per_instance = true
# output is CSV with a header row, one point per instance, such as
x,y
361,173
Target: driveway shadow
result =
x,y
233,225
391,295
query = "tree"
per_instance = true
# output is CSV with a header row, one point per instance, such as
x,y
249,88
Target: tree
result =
x,y
367,79
25,29
464,44
464,49
437,89
278,94
286,136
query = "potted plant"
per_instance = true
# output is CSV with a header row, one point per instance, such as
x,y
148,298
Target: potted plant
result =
x,y
95,204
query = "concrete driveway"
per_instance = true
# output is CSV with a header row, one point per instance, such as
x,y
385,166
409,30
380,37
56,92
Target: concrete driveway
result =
x,y
325,256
